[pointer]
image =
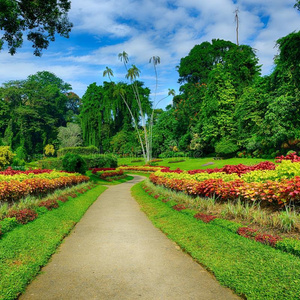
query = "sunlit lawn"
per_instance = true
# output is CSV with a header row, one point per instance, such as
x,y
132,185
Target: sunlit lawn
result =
x,y
194,163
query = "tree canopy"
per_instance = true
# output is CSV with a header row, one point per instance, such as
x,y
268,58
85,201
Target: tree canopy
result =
x,y
40,19
32,110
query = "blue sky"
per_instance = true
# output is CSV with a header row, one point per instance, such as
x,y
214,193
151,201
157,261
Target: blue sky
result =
x,y
144,28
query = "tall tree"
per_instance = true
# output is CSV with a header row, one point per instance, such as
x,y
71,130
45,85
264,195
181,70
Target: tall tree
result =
x,y
40,19
33,110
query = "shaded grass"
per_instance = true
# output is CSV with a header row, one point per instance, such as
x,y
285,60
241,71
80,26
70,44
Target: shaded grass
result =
x,y
251,269
196,163
24,250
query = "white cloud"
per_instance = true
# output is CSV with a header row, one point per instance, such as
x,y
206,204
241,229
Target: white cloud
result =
x,y
143,28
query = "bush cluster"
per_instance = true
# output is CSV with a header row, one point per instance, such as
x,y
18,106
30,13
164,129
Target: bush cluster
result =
x,y
77,150
92,161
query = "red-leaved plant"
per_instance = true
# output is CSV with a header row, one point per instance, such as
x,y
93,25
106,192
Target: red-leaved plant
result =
x,y
23,216
203,217
179,207
267,239
247,232
49,204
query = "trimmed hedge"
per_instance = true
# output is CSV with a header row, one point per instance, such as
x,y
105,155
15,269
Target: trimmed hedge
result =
x,y
92,161
77,150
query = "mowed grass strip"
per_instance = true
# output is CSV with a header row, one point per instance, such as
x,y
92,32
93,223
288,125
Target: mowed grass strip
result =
x,y
252,270
27,248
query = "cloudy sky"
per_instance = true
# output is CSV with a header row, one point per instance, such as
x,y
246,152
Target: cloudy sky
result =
x,y
145,28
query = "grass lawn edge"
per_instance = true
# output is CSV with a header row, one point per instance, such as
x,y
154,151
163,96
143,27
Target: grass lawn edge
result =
x,y
43,236
227,255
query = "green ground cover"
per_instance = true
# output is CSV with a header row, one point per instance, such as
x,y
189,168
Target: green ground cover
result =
x,y
25,249
196,163
252,270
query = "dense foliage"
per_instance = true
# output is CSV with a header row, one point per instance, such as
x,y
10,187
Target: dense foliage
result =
x,y
32,110
105,120
225,106
41,20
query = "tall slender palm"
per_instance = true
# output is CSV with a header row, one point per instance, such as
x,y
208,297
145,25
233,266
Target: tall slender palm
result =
x,y
124,58
121,92
155,60
132,74
108,72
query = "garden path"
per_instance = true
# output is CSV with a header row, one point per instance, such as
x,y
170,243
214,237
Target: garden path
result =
x,y
115,252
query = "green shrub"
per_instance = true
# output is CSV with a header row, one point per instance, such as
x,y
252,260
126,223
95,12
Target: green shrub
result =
x,y
77,150
8,224
18,164
226,148
92,161
74,163
6,156
290,246
101,161
51,163
21,153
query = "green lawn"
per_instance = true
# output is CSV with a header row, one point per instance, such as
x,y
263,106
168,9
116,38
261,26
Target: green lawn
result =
x,y
251,269
196,163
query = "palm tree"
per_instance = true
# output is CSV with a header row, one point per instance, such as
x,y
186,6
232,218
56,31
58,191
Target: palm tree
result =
x,y
118,90
108,72
155,60
124,57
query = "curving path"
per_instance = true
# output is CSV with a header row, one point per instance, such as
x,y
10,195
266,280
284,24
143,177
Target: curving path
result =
x,y
115,252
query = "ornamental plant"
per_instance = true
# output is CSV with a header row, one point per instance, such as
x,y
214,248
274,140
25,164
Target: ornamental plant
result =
x,y
15,190
6,156
49,150
179,207
49,204
205,218
23,216
74,163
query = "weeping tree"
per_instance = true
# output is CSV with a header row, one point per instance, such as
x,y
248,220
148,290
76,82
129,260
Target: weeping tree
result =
x,y
132,75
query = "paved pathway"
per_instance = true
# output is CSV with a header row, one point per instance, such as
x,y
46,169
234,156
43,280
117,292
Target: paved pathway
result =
x,y
115,252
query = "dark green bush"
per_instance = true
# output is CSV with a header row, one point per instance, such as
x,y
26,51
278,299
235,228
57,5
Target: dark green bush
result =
x,y
92,161
226,148
18,164
51,163
8,224
289,245
101,161
77,150
74,163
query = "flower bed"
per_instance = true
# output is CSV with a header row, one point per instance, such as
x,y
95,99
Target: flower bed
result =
x,y
14,190
108,174
275,192
48,174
